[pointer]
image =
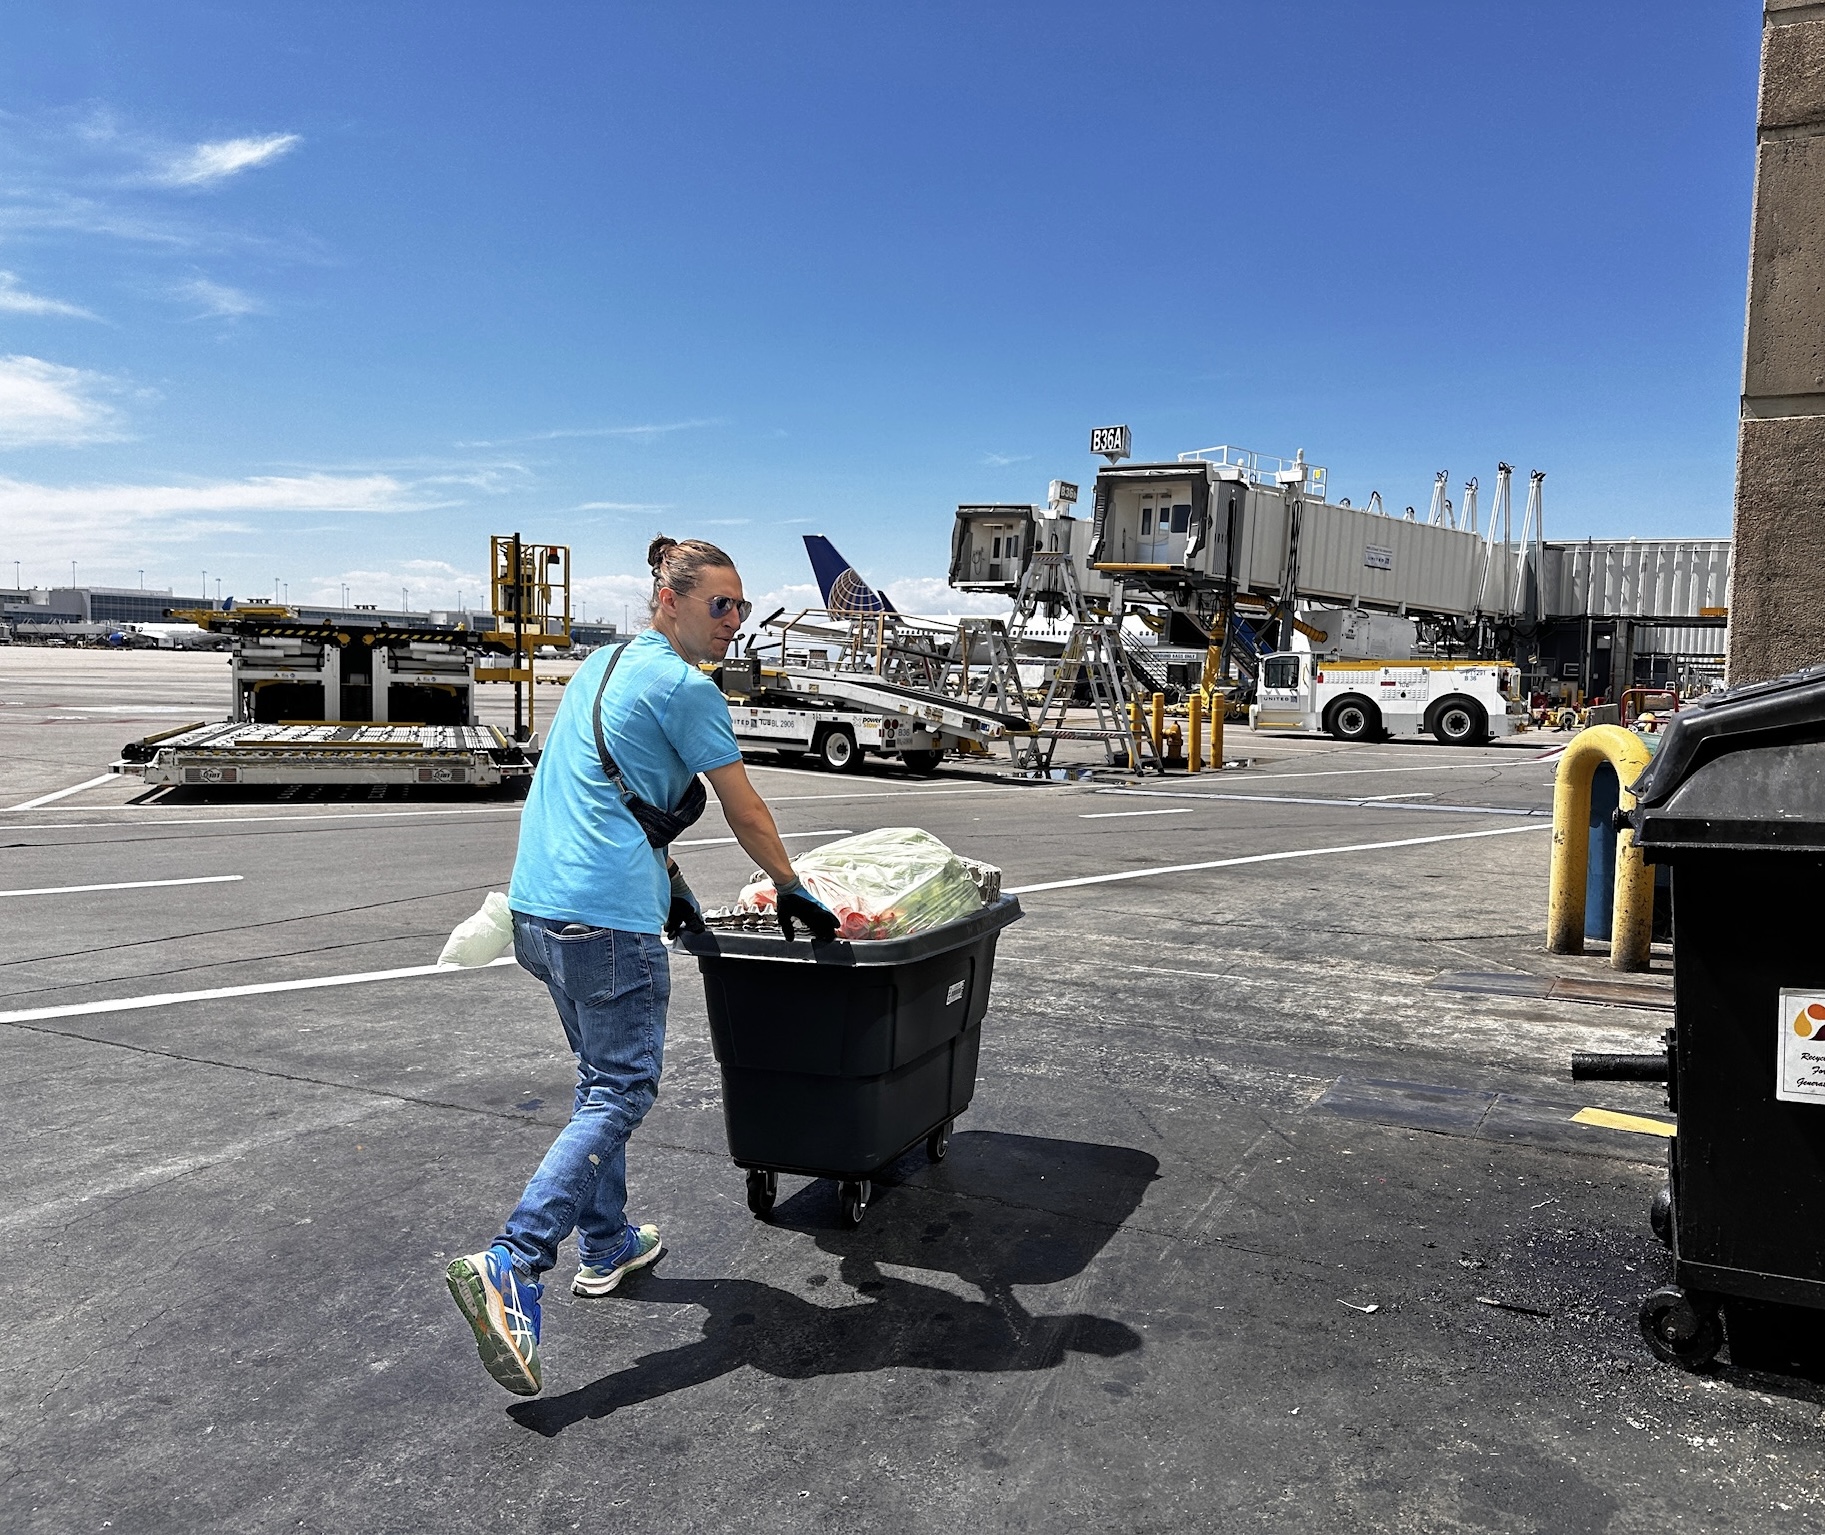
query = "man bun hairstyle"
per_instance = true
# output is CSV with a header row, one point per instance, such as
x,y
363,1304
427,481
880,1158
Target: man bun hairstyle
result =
x,y
681,564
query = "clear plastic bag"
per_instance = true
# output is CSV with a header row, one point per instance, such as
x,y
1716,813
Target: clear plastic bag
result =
x,y
483,938
881,884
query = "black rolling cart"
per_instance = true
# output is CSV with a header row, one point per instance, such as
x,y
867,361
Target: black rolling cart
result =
x,y
837,1058
1734,801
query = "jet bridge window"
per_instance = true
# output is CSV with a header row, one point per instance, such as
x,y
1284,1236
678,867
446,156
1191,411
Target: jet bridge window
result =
x,y
1181,517
1281,673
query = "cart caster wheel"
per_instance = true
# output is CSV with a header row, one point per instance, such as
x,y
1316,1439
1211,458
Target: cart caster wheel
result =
x,y
1679,1329
938,1143
853,1196
1660,1215
763,1189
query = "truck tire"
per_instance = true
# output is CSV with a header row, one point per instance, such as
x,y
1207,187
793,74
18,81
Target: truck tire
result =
x,y
1353,718
837,750
1458,722
924,763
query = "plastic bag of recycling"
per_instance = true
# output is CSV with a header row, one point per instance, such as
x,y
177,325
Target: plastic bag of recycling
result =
x,y
483,938
881,884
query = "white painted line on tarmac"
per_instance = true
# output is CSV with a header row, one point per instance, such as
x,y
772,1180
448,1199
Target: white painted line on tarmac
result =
x,y
1230,863
835,831
1339,804
782,799
242,820
264,988
1430,767
1117,815
45,799
132,884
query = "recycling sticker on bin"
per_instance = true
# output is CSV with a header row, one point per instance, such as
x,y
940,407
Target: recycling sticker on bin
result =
x,y
1801,1077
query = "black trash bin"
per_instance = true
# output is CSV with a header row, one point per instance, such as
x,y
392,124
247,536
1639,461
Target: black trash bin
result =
x,y
1734,801
837,1058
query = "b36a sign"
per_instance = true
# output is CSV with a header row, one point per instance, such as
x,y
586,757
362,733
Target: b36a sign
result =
x,y
1110,441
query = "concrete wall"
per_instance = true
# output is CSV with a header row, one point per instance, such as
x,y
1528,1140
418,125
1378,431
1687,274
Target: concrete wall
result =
x,y
1777,620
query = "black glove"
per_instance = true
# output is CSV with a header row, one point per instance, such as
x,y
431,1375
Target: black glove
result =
x,y
685,913
796,902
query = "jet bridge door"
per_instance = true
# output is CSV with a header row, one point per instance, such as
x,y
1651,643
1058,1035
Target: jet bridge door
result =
x,y
1165,525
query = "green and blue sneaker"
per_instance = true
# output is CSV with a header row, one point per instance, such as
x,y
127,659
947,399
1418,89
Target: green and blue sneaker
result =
x,y
503,1308
640,1248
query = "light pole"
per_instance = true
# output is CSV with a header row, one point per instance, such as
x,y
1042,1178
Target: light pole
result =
x,y
345,595
142,580
405,600
72,573
205,588
218,592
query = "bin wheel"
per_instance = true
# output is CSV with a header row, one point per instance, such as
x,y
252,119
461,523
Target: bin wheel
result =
x,y
1680,1328
763,1189
1660,1214
938,1143
853,1196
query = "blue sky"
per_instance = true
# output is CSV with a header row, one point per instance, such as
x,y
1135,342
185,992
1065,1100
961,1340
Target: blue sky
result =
x,y
327,293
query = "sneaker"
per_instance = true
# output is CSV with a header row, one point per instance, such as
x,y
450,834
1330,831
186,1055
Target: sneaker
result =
x,y
503,1309
641,1248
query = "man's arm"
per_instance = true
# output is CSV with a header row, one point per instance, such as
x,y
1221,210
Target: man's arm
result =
x,y
752,822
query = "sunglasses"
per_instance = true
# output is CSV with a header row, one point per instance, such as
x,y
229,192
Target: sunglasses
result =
x,y
722,607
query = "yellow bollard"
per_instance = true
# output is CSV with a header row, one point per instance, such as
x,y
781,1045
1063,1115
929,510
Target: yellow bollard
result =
x,y
1159,722
1632,927
1194,721
1218,705
1135,754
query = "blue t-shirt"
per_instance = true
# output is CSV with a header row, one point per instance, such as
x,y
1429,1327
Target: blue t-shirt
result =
x,y
582,856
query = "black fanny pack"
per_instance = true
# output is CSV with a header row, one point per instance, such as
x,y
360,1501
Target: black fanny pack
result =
x,y
662,827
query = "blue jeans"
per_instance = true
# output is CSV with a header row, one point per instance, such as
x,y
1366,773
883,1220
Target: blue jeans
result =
x,y
611,989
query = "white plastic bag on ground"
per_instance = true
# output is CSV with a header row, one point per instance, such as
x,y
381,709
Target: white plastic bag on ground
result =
x,y
881,884
483,938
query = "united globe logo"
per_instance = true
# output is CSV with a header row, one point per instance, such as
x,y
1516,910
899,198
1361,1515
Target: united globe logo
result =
x,y
849,593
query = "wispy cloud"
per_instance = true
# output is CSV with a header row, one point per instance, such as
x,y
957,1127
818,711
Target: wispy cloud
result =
x,y
621,506
217,301
61,521
1002,460
643,433
45,404
728,522
427,583
203,165
23,503
15,299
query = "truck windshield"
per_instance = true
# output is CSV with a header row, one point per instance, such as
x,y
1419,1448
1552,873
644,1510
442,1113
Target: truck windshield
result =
x,y
1280,672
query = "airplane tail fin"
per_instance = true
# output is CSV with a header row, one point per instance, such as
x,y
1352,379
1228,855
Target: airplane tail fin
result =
x,y
845,592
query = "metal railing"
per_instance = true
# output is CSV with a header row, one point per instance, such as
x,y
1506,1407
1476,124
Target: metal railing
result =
x,y
1259,468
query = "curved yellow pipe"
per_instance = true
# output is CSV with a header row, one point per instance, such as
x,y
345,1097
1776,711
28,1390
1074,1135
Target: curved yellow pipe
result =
x,y
1632,926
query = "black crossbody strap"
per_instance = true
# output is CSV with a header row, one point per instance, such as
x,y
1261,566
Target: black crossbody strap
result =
x,y
609,770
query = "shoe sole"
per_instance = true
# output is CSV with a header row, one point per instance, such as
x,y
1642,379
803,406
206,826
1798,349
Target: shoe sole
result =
x,y
594,1288
480,1307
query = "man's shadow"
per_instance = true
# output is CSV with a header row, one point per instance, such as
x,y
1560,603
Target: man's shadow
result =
x,y
1000,1211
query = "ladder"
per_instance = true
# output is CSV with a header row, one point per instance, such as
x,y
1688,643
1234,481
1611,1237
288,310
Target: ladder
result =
x,y
1093,652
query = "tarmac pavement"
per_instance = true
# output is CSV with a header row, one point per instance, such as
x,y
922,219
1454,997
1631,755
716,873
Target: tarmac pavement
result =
x,y
1269,1213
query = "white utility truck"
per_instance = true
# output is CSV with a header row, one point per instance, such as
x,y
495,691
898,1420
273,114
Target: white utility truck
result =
x,y
1462,703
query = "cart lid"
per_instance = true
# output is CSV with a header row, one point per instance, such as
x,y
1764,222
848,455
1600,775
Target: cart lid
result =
x,y
840,951
1743,769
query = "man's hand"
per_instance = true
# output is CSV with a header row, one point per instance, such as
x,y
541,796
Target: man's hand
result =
x,y
795,903
685,913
